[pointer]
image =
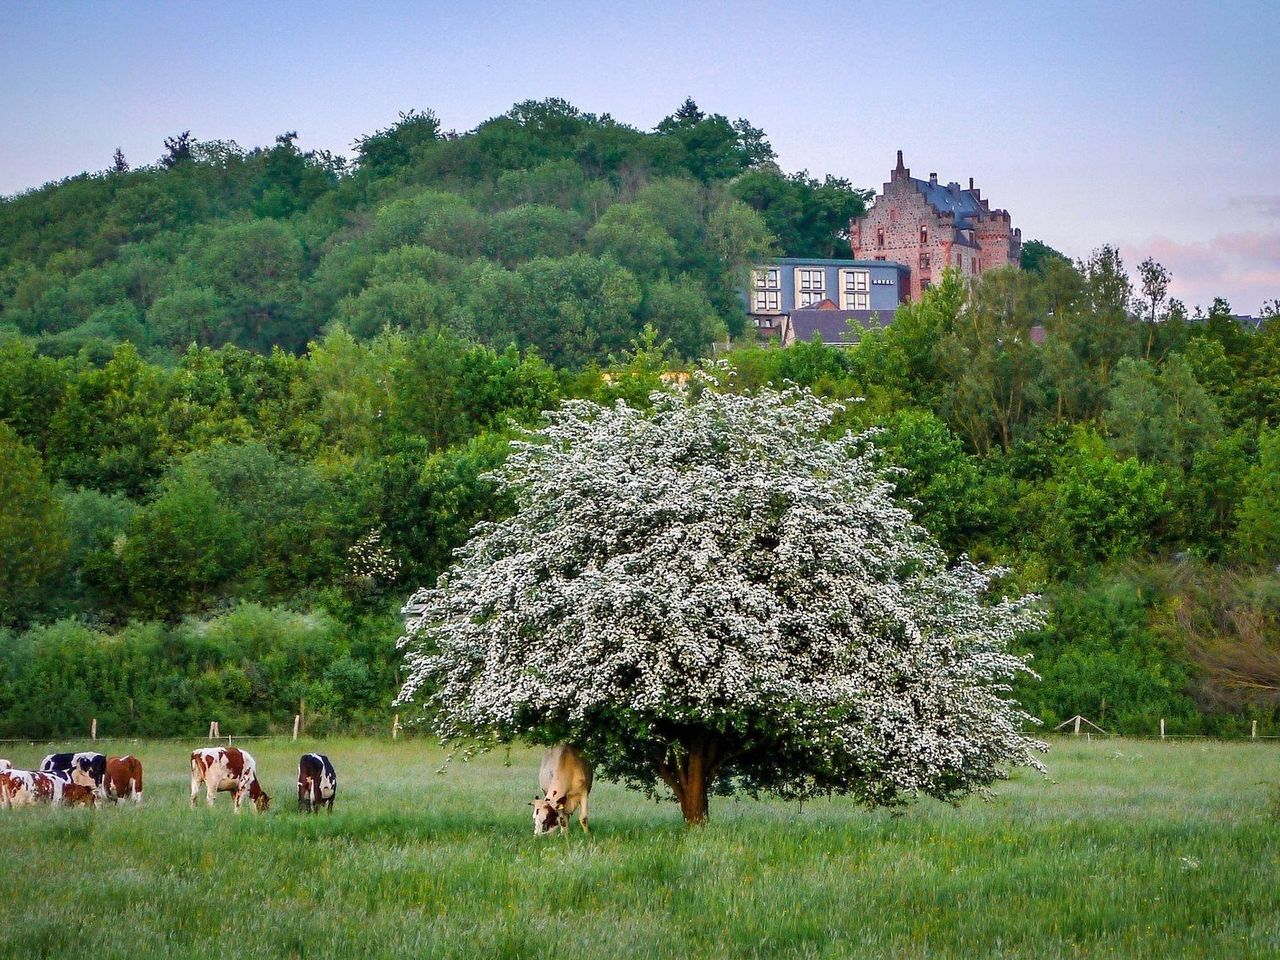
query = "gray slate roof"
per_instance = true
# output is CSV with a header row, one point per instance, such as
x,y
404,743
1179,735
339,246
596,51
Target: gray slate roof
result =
x,y
950,199
834,325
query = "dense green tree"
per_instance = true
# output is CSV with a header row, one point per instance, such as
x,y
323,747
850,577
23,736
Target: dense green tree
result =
x,y
1037,256
1258,537
1160,415
809,217
33,537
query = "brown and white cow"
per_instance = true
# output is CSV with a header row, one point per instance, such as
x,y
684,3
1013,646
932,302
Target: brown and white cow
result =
x,y
22,788
123,778
565,777
223,769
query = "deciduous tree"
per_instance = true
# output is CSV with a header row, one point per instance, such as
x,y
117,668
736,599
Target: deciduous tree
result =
x,y
710,595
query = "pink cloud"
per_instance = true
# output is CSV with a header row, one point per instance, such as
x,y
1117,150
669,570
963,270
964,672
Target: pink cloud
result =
x,y
1242,267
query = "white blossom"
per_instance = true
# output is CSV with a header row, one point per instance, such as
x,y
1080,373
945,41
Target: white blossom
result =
x,y
718,569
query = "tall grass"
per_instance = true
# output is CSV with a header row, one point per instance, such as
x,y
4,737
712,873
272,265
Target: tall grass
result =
x,y
1128,849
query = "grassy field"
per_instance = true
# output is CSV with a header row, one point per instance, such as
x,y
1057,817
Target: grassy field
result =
x,y
1129,849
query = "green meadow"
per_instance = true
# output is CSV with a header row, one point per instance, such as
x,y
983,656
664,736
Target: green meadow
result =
x,y
1127,849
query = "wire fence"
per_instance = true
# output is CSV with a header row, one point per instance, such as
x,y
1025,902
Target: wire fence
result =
x,y
1077,726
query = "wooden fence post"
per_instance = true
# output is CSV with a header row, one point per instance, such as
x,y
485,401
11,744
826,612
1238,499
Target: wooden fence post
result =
x,y
93,729
1253,733
395,726
297,719
1077,725
1162,728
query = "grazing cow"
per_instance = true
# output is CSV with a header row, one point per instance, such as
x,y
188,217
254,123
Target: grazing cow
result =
x,y
86,768
77,794
565,778
317,783
21,788
123,778
223,769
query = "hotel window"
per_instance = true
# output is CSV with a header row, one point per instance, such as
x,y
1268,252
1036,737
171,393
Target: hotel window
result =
x,y
766,294
855,290
811,285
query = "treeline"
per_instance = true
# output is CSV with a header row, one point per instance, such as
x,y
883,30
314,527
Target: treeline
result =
x,y
545,227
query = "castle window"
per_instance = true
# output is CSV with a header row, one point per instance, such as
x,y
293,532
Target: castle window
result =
x,y
924,233
811,285
893,214
880,237
855,290
766,297
924,260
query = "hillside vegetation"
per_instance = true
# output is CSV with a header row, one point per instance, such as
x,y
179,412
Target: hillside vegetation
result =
x,y
248,400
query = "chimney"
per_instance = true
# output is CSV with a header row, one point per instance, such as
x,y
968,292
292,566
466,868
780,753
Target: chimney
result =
x,y
933,179
971,183
899,172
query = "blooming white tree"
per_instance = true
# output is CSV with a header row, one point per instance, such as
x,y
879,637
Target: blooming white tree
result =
x,y
712,595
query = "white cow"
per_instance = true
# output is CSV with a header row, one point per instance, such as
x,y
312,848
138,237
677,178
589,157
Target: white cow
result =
x,y
565,778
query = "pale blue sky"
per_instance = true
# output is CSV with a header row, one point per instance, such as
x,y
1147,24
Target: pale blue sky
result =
x,y
1152,125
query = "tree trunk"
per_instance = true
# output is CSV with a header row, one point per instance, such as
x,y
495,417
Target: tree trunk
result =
x,y
690,778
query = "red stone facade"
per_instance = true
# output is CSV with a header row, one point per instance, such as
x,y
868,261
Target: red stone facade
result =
x,y
929,226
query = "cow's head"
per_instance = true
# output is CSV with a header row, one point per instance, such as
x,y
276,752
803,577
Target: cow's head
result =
x,y
548,814
259,796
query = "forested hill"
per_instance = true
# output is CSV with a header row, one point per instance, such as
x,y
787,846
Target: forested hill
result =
x,y
249,399
545,227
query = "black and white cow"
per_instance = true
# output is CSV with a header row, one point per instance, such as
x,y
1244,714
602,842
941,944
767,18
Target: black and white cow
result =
x,y
85,768
317,783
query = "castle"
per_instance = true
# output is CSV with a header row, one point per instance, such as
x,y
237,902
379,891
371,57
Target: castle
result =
x,y
913,231
928,226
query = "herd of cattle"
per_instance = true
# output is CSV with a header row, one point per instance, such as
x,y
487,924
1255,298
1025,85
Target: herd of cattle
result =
x,y
71,779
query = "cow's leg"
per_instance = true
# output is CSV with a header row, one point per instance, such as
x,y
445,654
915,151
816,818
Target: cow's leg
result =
x,y
195,789
137,792
582,815
211,792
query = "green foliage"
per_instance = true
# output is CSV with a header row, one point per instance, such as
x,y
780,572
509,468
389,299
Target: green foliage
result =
x,y
1037,255
809,217
249,668
220,372
1259,532
33,538
1099,508
1100,657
